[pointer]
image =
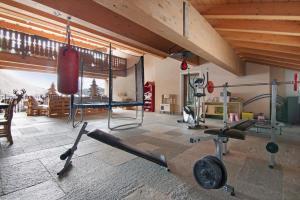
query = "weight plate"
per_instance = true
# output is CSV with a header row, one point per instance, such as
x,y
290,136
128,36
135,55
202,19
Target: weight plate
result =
x,y
222,167
296,82
210,87
208,173
272,147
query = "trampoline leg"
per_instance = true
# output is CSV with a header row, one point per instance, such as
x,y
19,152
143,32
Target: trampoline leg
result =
x,y
133,125
136,112
74,118
81,115
142,115
109,118
70,152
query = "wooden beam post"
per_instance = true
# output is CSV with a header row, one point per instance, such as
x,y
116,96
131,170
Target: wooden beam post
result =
x,y
165,18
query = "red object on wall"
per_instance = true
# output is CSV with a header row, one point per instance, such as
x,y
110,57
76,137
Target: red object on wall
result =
x,y
296,82
184,65
149,96
67,70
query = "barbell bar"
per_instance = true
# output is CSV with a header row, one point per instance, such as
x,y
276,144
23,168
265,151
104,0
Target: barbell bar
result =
x,y
212,87
257,84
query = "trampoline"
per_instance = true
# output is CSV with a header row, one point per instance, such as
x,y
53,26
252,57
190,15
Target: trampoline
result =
x,y
134,75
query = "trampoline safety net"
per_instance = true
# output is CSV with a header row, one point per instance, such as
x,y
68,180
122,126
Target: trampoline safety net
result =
x,y
122,91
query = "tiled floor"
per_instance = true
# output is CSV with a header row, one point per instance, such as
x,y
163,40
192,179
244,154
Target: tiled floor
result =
x,y
28,168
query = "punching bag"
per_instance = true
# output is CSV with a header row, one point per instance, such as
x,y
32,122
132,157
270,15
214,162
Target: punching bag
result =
x,y
67,68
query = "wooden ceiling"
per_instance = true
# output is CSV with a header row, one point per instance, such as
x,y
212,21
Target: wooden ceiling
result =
x,y
260,31
93,26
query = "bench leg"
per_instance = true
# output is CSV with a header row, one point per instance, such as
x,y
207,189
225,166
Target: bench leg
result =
x,y
70,152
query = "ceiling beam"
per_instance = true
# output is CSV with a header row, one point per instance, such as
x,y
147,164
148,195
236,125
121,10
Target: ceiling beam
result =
x,y
51,16
56,16
262,38
267,47
254,17
271,63
260,26
268,53
271,58
165,18
257,31
256,10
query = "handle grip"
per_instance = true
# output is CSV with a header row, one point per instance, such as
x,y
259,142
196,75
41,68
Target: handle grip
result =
x,y
66,154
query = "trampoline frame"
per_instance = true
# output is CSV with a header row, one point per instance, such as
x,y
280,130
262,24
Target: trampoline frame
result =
x,y
110,104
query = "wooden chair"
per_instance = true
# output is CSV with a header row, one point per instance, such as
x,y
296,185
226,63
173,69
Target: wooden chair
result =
x,y
5,123
34,109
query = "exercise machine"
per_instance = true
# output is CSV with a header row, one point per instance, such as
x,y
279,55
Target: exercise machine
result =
x,y
195,115
210,171
271,147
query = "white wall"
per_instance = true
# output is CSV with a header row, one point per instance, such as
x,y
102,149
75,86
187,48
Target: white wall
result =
x,y
166,75
168,80
255,73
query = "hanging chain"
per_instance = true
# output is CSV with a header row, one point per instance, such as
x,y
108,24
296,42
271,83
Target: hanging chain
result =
x,y
68,31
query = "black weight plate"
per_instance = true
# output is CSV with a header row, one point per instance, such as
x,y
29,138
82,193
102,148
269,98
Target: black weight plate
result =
x,y
208,173
223,168
272,147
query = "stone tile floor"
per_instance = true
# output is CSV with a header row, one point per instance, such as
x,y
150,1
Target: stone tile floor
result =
x,y
28,168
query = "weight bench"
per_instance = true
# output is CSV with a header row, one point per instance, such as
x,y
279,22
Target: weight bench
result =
x,y
234,132
120,144
112,141
209,171
230,133
243,125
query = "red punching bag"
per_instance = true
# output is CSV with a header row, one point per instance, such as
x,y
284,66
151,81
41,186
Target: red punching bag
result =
x,y
67,68
184,65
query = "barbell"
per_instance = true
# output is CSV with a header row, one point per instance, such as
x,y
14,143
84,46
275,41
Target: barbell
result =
x,y
295,83
211,86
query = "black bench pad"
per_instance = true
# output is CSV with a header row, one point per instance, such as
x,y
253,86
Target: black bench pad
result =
x,y
244,125
231,133
119,144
